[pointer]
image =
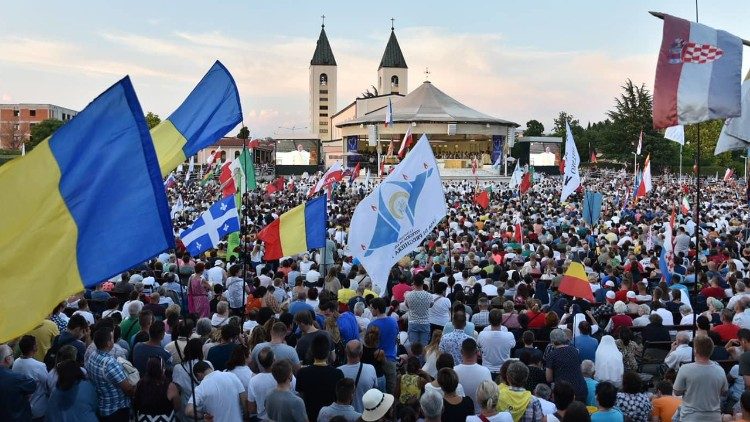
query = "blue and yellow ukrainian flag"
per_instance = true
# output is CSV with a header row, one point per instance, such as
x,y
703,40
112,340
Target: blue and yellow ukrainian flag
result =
x,y
207,114
84,205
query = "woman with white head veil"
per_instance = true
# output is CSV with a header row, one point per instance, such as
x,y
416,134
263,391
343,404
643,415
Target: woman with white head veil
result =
x,y
608,364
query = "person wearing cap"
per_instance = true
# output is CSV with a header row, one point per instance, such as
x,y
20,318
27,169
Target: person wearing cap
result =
x,y
600,295
632,302
607,309
216,274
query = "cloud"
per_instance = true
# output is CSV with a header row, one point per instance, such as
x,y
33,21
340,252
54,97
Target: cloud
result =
x,y
490,72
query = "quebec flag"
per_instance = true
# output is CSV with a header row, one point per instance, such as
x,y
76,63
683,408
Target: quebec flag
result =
x,y
212,226
395,217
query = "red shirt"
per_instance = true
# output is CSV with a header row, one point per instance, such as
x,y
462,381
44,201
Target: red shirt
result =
x,y
621,295
726,331
620,321
400,290
536,320
716,292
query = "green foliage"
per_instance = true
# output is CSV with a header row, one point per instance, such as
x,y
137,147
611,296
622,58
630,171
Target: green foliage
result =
x,y
42,131
534,128
244,133
616,137
558,128
152,120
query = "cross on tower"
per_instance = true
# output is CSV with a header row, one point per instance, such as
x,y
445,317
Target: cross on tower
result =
x,y
392,19
323,17
426,73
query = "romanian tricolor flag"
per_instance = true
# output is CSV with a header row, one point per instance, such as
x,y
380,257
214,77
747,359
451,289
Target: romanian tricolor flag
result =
x,y
298,230
575,283
207,114
73,215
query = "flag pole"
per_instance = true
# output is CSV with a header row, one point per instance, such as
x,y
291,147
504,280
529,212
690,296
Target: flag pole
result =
x,y
243,226
697,216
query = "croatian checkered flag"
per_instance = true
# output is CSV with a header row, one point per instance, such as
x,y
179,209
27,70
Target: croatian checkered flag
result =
x,y
213,225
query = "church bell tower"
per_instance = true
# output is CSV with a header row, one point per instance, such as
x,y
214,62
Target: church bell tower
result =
x,y
323,83
393,73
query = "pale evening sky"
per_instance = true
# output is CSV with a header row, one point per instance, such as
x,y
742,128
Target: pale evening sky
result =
x,y
516,60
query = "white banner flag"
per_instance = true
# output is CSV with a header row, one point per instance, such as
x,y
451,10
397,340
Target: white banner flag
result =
x,y
395,217
675,133
571,179
735,135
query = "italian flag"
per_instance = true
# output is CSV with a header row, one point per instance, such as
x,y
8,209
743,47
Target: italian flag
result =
x,y
685,206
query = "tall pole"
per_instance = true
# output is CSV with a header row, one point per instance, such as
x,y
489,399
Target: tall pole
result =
x,y
679,179
697,263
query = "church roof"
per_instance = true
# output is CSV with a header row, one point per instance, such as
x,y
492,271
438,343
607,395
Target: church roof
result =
x,y
323,54
392,56
428,104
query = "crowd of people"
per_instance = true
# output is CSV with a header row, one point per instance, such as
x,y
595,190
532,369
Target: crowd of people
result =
x,y
470,325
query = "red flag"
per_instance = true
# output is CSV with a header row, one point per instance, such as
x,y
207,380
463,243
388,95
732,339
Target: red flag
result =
x,y
270,188
562,166
227,181
255,143
355,173
405,143
525,182
518,233
279,183
575,282
592,160
334,174
728,175
381,172
482,199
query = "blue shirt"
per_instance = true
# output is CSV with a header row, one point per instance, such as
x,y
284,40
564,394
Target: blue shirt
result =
x,y
348,327
106,374
388,334
591,386
586,346
14,391
76,404
299,306
611,415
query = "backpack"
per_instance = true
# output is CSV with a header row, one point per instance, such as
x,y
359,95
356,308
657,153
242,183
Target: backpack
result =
x,y
50,358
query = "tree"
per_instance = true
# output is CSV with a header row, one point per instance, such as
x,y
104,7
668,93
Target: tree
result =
x,y
558,128
534,128
152,119
43,130
244,133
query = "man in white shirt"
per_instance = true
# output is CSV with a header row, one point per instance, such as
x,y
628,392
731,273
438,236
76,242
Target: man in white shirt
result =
x,y
742,313
262,384
496,343
643,313
265,279
681,352
544,393
470,373
220,394
35,370
739,287
83,310
305,264
216,274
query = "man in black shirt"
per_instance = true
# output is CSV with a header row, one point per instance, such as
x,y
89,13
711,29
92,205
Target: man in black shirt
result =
x,y
317,383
